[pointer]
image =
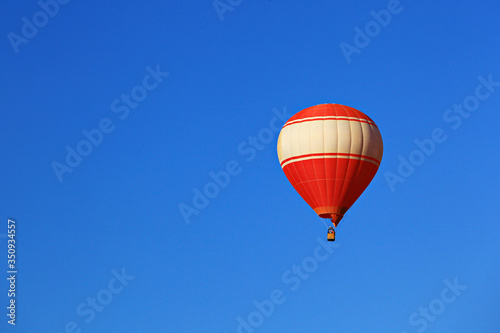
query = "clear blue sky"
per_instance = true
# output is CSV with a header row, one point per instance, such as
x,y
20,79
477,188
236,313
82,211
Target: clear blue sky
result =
x,y
118,208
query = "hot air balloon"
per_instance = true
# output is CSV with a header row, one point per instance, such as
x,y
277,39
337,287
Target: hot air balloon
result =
x,y
330,153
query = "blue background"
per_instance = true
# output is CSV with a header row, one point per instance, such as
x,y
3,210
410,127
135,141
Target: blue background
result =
x,y
119,208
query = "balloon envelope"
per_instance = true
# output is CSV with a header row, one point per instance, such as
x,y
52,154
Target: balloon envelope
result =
x,y
330,153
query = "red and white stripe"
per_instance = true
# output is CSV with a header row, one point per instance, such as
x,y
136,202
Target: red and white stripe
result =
x,y
330,153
